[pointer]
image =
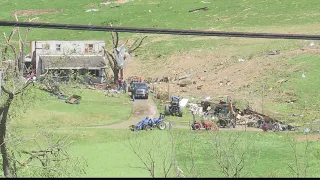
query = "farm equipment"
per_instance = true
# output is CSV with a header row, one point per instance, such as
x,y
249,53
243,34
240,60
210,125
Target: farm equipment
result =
x,y
158,122
173,108
149,124
206,124
225,114
74,99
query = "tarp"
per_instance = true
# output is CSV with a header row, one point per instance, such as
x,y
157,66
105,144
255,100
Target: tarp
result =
x,y
183,102
121,55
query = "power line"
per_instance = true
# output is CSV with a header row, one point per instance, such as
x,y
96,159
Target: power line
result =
x,y
159,31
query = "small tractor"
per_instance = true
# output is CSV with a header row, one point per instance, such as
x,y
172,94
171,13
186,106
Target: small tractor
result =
x,y
206,124
173,108
149,124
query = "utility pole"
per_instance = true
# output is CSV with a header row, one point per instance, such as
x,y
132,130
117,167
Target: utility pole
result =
x,y
169,90
262,99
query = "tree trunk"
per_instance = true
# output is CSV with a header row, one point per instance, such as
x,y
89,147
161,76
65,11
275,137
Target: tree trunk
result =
x,y
21,60
3,128
121,73
116,75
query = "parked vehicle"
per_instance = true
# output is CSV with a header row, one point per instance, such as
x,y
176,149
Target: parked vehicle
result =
x,y
139,90
149,124
142,125
173,108
206,124
158,122
130,87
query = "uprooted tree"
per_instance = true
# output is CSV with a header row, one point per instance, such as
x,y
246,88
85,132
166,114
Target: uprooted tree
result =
x,y
118,53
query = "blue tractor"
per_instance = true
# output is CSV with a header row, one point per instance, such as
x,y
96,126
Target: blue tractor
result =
x,y
149,124
173,108
158,122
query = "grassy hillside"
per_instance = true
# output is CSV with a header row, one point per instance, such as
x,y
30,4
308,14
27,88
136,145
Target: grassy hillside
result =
x,y
190,54
213,58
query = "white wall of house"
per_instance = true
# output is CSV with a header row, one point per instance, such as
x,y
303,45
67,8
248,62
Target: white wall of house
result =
x,y
92,47
67,47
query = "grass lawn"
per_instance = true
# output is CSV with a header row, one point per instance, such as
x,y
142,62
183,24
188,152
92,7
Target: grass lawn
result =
x,y
271,151
302,89
94,109
108,154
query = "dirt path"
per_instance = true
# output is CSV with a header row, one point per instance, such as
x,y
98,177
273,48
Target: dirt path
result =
x,y
141,109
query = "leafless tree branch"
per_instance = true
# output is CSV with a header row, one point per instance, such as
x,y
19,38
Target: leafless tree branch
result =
x,y
115,39
132,48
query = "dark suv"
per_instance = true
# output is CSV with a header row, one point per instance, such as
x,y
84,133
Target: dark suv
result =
x,y
139,90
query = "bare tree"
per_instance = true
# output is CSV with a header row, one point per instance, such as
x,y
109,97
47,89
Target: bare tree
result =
x,y
300,165
13,85
158,152
112,56
50,161
231,154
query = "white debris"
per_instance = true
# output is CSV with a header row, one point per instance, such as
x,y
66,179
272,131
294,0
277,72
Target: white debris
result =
x,y
121,55
303,75
241,60
312,44
92,10
105,3
183,102
207,98
195,109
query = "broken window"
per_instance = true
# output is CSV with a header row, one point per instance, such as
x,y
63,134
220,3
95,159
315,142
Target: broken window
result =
x,y
46,46
58,47
94,72
74,48
88,48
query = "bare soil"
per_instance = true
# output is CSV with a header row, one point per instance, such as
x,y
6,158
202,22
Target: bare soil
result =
x,y
34,12
308,137
218,74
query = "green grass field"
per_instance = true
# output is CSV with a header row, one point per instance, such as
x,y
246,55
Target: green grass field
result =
x,y
106,152
95,109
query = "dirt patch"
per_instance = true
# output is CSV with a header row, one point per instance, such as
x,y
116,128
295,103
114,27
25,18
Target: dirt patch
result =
x,y
34,12
311,137
121,1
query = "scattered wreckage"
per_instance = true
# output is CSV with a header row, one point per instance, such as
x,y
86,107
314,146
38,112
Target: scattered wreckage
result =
x,y
225,115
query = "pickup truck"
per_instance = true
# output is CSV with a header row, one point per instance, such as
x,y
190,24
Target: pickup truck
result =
x,y
139,90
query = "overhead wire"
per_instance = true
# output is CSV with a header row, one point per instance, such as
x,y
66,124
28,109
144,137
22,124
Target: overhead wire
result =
x,y
158,31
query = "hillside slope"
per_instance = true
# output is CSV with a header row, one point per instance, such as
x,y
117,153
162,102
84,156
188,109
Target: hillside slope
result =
x,y
213,62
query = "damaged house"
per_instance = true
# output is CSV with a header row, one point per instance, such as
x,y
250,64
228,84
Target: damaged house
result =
x,y
61,57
